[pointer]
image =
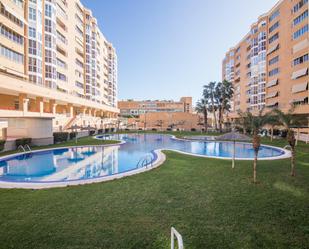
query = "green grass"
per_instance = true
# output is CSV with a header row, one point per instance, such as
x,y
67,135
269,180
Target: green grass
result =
x,y
210,204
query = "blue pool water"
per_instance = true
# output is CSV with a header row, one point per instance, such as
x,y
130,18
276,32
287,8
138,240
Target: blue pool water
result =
x,y
87,162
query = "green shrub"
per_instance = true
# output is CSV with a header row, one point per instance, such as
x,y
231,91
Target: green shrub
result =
x,y
60,137
23,141
73,135
100,131
91,132
2,142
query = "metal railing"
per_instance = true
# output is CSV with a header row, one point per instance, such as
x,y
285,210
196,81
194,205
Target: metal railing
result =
x,y
144,161
175,233
24,148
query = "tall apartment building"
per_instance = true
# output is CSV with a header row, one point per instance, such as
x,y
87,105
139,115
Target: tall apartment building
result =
x,y
269,66
55,63
132,107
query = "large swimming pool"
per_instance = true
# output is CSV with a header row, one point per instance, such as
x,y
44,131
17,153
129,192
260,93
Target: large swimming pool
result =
x,y
95,162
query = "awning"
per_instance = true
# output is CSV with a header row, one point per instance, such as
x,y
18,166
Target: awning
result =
x,y
299,100
300,87
272,104
272,83
272,95
12,12
273,49
299,73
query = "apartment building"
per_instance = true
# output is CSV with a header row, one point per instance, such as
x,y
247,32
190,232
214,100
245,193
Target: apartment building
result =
x,y
269,65
135,108
55,63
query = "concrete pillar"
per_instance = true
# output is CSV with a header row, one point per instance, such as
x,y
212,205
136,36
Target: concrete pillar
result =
x,y
21,99
41,107
25,105
70,110
38,104
54,109
51,105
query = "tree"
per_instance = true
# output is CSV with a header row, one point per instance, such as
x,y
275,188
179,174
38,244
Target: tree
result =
x,y
272,121
224,92
209,93
202,107
255,123
289,121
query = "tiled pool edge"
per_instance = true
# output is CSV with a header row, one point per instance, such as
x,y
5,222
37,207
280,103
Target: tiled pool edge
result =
x,y
47,185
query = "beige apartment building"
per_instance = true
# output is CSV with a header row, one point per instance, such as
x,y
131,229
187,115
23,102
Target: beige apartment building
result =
x,y
161,114
55,63
135,108
269,66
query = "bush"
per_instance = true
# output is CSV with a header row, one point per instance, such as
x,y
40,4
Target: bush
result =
x,y
100,131
112,129
23,141
154,129
91,132
2,142
107,130
127,129
193,129
60,137
73,135
169,129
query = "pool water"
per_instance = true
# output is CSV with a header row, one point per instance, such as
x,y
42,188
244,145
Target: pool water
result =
x,y
78,163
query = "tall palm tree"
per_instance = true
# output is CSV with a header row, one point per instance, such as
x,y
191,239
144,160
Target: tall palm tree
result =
x,y
255,123
202,107
224,92
289,121
209,93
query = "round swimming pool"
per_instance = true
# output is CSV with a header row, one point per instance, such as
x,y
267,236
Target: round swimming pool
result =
x,y
136,153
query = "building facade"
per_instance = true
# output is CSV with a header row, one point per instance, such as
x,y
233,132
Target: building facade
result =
x,y
55,63
135,108
269,66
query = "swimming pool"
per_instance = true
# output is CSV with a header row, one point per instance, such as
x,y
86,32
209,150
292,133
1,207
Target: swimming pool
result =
x,y
136,153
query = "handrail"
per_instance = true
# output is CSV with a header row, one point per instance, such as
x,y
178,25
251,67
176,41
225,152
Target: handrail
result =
x,y
175,233
27,147
287,146
144,161
21,147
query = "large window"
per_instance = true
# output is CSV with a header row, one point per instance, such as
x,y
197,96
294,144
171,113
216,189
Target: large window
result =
x,y
273,72
273,60
11,55
274,15
273,38
299,5
300,18
274,26
10,34
300,60
32,14
300,32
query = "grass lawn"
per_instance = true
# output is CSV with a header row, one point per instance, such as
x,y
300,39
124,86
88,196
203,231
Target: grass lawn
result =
x,y
210,204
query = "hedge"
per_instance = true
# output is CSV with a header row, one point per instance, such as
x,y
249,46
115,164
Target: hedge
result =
x,y
23,141
2,142
100,131
60,137
91,132
73,135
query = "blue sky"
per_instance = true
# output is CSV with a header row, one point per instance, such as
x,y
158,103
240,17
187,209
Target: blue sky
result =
x,y
171,48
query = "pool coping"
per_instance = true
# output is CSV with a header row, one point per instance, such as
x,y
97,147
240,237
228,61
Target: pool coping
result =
x,y
161,157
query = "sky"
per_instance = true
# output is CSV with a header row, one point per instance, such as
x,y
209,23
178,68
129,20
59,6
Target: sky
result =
x,y
170,48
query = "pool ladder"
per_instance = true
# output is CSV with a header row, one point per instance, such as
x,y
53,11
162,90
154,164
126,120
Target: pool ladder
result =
x,y
144,161
25,148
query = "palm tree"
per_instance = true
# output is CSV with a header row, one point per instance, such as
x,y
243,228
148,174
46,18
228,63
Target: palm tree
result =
x,y
272,121
255,123
224,93
202,107
209,93
289,121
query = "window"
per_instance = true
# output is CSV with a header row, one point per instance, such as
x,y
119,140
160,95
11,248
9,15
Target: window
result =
x,y
10,16
61,63
61,76
32,47
32,14
300,60
32,32
273,38
300,32
300,18
78,84
299,5
274,15
11,35
48,25
11,55
273,60
274,26
273,72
